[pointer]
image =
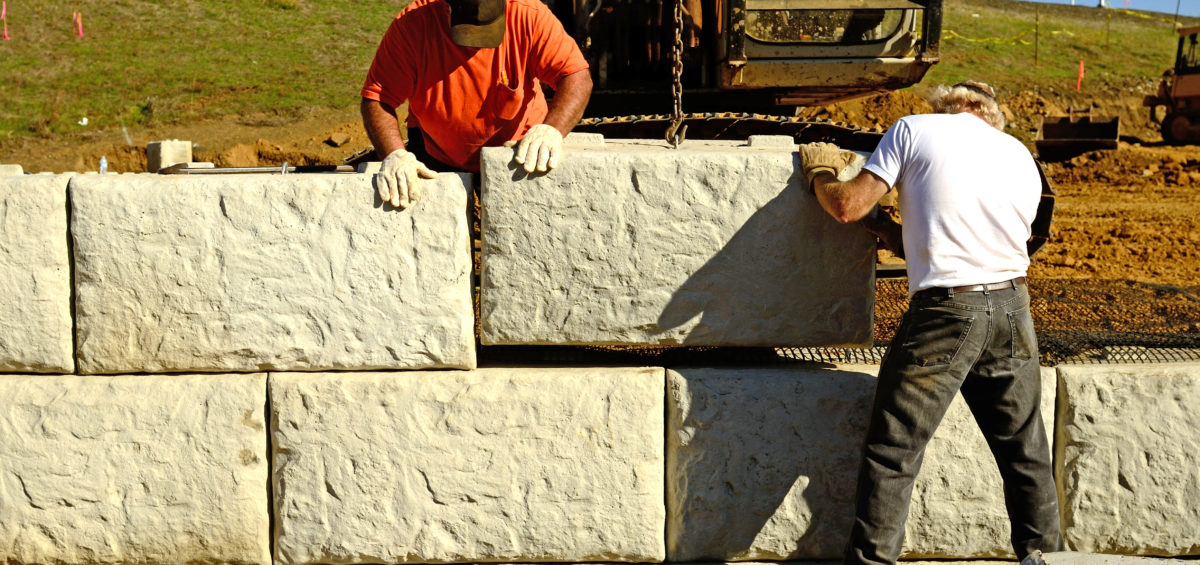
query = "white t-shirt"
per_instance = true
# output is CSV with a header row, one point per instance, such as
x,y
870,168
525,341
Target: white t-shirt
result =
x,y
968,194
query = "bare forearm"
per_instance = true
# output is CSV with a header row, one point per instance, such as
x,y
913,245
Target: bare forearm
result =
x,y
382,127
848,201
570,100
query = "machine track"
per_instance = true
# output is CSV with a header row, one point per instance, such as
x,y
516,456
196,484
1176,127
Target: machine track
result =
x,y
736,126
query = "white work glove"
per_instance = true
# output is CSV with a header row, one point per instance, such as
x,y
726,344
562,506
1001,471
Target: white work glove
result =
x,y
397,179
539,149
816,158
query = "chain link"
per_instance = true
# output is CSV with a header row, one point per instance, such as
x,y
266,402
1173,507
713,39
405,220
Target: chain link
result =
x,y
676,132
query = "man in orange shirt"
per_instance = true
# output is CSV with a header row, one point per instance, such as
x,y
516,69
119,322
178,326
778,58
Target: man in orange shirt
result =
x,y
471,71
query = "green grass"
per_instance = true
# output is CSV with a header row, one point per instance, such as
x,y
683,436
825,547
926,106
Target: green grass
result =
x,y
143,62
160,62
1009,43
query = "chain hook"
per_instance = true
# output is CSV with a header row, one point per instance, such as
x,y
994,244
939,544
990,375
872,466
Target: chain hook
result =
x,y
677,130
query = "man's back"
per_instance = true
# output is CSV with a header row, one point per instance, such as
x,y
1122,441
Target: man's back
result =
x,y
968,194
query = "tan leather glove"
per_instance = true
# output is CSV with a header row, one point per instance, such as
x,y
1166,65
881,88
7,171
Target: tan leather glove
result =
x,y
823,157
398,178
540,149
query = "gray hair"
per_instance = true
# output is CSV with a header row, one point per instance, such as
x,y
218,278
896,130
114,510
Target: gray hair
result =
x,y
968,96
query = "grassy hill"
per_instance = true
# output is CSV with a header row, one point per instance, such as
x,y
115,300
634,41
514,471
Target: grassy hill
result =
x,y
144,63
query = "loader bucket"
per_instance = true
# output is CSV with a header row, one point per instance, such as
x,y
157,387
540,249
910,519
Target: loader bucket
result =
x,y
1063,137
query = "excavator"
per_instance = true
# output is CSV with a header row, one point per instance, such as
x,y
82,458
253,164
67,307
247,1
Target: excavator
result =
x,y
743,67
1179,93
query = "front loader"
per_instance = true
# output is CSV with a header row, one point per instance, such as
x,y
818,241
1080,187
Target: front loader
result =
x,y
1179,93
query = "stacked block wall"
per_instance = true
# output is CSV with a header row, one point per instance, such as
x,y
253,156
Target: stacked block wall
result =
x,y
291,378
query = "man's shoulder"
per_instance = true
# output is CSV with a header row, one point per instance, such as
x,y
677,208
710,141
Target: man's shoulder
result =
x,y
420,9
528,8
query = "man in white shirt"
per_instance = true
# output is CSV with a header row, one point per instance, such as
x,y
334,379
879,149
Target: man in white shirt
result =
x,y
968,194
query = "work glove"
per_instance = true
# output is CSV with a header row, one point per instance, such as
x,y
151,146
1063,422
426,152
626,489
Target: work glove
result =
x,y
539,149
397,179
823,158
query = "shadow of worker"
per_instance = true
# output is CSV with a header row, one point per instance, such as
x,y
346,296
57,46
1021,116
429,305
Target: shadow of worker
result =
x,y
789,276
762,463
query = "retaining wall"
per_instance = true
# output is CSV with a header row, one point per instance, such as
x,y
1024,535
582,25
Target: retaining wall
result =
x,y
295,381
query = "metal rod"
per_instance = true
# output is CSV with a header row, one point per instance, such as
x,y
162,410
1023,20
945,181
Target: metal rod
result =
x,y
182,169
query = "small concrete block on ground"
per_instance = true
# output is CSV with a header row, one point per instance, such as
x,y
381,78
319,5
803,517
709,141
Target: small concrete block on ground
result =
x,y
636,243
134,469
1129,458
163,154
762,464
11,170
35,276
284,272
498,464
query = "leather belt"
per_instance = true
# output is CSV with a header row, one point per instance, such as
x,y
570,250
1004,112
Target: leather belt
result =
x,y
1014,283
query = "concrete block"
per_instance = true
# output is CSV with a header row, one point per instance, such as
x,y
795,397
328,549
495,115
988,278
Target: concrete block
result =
x,y
637,243
134,469
576,139
499,464
785,142
1129,458
762,464
256,272
11,170
35,276
163,154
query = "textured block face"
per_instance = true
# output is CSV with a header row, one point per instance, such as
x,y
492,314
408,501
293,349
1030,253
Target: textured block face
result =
x,y
251,272
635,243
762,463
35,275
134,469
489,465
1129,458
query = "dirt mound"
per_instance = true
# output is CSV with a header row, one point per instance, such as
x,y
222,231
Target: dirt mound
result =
x,y
877,111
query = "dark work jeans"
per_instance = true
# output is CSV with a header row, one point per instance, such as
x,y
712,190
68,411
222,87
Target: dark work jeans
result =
x,y
983,344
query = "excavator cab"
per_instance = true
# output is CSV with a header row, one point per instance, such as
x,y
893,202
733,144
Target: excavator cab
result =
x,y
1179,93
805,52
765,56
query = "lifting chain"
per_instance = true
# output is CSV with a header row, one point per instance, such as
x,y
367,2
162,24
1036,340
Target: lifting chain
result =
x,y
677,130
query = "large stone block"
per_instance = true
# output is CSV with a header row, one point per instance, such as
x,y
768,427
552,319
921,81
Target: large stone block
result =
x,y
636,243
490,465
761,464
35,275
1129,458
134,469
253,272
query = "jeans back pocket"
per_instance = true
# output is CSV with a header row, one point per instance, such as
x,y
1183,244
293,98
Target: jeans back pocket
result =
x,y
1024,339
933,336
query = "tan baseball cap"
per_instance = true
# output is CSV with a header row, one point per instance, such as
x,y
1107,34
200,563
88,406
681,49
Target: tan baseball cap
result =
x,y
477,23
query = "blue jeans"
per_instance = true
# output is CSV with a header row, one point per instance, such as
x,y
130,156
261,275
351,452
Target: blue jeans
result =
x,y
983,344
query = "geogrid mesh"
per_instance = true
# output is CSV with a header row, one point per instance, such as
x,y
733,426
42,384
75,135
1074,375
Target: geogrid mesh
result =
x,y
1077,321
1088,320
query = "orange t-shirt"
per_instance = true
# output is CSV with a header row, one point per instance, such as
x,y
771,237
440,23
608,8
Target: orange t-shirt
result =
x,y
465,98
